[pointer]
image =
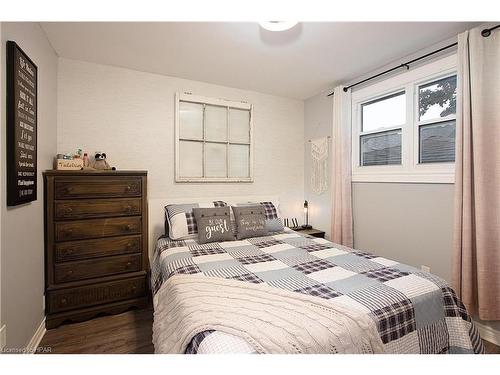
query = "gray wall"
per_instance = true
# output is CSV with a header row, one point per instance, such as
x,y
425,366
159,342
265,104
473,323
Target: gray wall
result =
x,y
22,235
318,117
410,223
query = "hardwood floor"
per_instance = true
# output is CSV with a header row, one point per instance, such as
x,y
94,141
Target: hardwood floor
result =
x,y
129,332
491,348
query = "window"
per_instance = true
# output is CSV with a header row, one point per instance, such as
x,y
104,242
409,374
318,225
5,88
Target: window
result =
x,y
213,140
404,127
437,102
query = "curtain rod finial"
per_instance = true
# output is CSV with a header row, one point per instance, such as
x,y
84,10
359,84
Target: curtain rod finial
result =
x,y
486,33
345,89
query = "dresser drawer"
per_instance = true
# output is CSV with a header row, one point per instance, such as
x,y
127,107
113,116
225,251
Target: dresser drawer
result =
x,y
87,269
92,187
77,250
96,294
90,208
97,228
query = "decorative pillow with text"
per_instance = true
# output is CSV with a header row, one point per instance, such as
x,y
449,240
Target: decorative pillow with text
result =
x,y
250,221
214,224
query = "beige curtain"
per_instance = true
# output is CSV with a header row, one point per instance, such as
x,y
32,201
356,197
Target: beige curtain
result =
x,y
341,173
476,262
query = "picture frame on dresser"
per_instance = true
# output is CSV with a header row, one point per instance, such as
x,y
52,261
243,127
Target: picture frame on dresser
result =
x,y
96,243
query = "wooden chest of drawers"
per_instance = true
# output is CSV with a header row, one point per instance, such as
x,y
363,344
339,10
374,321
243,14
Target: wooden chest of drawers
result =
x,y
95,243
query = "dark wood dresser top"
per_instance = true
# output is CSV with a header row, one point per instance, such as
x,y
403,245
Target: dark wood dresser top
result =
x,y
53,172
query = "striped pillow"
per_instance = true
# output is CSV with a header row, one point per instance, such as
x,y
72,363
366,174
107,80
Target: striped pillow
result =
x,y
181,221
273,220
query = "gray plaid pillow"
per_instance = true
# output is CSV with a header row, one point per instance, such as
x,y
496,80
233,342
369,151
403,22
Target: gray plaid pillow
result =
x,y
214,224
250,221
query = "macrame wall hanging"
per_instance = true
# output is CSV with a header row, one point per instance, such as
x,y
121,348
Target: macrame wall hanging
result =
x,y
319,156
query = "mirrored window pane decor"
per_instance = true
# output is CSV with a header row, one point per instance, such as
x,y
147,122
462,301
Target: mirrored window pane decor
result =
x,y
437,102
213,140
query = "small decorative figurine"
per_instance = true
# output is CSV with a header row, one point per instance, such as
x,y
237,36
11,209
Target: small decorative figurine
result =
x,y
86,161
100,162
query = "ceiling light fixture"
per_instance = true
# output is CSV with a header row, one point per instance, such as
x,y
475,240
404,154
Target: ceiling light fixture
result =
x,y
277,25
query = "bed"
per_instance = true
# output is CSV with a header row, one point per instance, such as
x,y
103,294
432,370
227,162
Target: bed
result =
x,y
409,310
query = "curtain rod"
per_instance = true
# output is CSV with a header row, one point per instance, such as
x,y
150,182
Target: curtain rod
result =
x,y
485,33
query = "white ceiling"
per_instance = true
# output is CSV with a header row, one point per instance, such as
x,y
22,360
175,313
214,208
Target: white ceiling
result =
x,y
297,63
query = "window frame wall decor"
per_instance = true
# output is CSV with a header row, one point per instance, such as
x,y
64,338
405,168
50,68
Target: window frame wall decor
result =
x,y
410,169
207,102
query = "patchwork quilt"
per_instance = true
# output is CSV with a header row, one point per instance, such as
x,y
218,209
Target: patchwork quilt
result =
x,y
414,311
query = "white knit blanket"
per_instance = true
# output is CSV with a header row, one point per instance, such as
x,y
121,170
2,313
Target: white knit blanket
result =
x,y
271,320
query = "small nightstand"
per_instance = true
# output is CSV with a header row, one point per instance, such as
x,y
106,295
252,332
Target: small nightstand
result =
x,y
312,232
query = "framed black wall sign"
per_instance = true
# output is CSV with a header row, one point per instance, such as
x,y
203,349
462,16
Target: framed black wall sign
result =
x,y
21,126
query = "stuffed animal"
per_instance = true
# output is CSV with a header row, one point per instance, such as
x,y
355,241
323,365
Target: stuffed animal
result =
x,y
100,162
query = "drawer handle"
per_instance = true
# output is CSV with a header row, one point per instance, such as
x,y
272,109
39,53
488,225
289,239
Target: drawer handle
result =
x,y
128,265
69,210
70,272
128,228
68,232
130,245
69,189
69,251
128,208
63,301
128,188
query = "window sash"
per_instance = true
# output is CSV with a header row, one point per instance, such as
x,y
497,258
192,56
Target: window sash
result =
x,y
378,100
420,142
392,131
417,101
419,123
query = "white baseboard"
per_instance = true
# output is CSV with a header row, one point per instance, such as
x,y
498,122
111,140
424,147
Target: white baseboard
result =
x,y
37,337
488,333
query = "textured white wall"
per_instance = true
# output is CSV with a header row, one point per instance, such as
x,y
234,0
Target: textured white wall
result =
x,y
22,235
318,122
130,116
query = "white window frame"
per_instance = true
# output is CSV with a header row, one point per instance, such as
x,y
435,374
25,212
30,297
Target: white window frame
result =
x,y
410,170
187,97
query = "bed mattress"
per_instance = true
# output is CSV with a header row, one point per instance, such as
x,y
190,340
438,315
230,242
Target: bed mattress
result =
x,y
414,311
